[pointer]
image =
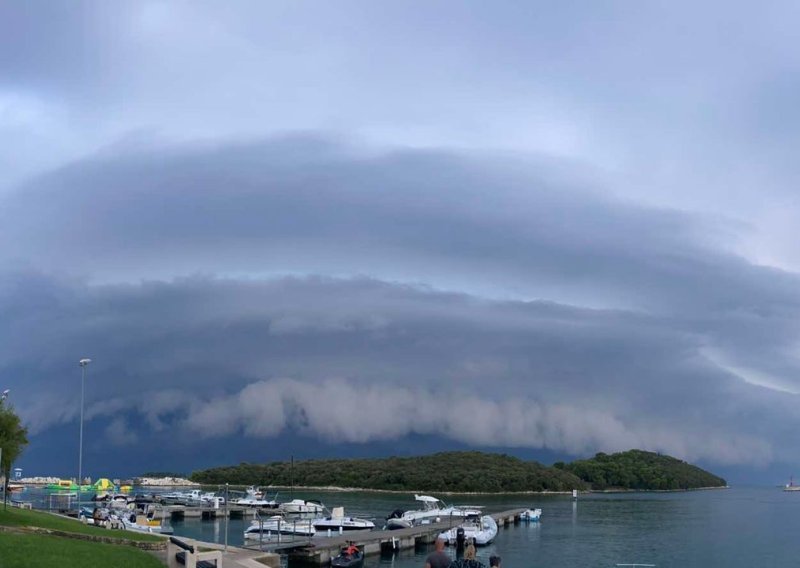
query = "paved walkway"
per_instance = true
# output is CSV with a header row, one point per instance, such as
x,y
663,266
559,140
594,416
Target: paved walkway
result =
x,y
236,557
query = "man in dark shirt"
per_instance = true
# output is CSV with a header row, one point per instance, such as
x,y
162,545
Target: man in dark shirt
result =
x,y
439,558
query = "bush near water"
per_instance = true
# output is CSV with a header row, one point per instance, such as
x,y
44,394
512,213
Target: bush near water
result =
x,y
471,472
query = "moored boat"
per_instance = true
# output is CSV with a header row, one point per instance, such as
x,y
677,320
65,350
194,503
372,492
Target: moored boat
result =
x,y
433,509
256,499
480,531
277,524
302,507
337,522
531,515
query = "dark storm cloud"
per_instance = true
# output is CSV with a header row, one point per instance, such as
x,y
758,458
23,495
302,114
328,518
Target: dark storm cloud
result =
x,y
228,287
674,343
222,358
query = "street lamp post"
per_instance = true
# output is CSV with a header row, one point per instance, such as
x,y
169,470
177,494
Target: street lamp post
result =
x,y
2,473
83,363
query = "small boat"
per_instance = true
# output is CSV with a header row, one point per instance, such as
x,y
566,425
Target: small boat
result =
x,y
303,507
480,530
149,522
791,486
337,522
349,557
531,515
279,525
256,499
433,510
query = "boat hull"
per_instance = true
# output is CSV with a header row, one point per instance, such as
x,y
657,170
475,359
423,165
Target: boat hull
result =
x,y
344,526
279,526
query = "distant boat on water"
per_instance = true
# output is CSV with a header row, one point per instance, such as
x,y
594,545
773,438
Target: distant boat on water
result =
x,y
791,486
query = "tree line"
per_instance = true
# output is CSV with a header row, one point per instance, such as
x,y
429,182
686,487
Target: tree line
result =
x,y
637,469
471,472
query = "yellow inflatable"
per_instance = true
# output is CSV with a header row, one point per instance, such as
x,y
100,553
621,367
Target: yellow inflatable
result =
x,y
103,484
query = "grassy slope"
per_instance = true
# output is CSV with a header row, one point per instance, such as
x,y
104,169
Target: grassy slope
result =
x,y
39,551
14,517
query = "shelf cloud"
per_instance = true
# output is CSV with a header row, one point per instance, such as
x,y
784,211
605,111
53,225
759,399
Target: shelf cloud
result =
x,y
503,305
495,225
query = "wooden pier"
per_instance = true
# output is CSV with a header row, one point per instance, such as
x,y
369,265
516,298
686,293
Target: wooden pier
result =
x,y
319,550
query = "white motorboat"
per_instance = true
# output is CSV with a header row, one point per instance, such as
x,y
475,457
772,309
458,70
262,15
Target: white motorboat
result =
x,y
433,510
337,522
153,520
147,522
180,497
279,525
531,515
478,530
256,498
303,507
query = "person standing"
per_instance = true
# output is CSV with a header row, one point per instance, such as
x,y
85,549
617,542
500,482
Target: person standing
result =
x,y
494,561
469,560
438,558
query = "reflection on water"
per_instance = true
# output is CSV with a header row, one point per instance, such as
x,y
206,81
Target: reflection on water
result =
x,y
735,528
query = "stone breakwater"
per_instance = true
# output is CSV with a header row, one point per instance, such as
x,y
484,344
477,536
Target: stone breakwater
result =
x,y
165,481
39,480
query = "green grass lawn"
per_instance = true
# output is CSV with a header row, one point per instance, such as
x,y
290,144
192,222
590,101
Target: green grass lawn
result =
x,y
13,517
41,551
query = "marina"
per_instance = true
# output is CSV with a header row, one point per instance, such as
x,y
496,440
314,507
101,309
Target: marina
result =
x,y
600,529
319,551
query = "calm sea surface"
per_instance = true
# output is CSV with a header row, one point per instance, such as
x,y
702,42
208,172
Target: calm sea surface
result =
x,y
737,527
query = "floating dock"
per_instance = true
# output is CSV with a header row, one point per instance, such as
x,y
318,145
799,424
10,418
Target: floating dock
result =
x,y
318,551
191,512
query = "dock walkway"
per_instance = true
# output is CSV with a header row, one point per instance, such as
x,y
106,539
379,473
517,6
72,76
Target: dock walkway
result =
x,y
319,550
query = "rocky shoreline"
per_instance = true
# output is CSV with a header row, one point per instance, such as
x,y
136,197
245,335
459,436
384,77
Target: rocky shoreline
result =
x,y
165,482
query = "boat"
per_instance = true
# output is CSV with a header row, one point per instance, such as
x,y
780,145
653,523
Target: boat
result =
x,y
433,510
277,524
481,530
303,507
349,557
531,515
151,520
148,521
108,497
337,522
791,486
256,498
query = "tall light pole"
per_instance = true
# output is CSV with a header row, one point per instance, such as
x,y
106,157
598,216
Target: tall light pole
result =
x,y
83,363
2,471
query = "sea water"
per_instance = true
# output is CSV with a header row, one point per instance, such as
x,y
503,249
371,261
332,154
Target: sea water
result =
x,y
731,528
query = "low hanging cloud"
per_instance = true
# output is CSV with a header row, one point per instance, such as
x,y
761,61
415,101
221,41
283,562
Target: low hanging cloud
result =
x,y
326,410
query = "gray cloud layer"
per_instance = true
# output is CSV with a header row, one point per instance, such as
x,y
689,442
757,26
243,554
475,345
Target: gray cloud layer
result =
x,y
155,216
686,348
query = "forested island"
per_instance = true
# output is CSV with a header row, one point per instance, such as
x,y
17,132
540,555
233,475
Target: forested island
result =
x,y
467,472
639,470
